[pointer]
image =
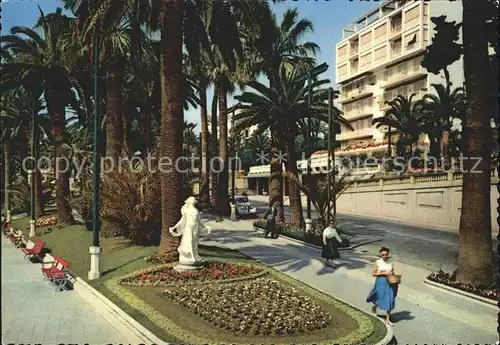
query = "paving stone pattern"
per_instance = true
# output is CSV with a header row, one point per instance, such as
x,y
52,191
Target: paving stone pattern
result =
x,y
33,313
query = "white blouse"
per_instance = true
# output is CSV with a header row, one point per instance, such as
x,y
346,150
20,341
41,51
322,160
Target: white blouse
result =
x,y
329,233
383,266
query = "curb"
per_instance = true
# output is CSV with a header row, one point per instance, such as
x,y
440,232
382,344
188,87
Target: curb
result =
x,y
107,308
455,291
302,242
123,322
389,336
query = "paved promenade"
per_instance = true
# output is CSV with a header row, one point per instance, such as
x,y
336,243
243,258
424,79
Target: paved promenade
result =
x,y
32,313
422,315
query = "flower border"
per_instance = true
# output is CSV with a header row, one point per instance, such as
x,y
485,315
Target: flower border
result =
x,y
364,331
193,282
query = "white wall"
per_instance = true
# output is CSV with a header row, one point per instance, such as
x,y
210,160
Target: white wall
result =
x,y
425,202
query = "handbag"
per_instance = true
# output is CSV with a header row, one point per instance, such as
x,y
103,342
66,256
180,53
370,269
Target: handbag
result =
x,y
394,279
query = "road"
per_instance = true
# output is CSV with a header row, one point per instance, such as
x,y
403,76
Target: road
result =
x,y
426,248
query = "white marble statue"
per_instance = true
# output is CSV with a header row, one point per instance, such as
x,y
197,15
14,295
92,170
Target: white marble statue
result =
x,y
189,227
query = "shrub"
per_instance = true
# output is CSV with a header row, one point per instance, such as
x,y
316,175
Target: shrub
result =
x,y
130,198
315,237
448,279
21,196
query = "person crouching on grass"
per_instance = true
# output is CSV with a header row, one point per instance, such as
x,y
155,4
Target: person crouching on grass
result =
x,y
330,251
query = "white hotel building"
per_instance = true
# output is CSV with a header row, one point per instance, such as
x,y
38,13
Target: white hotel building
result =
x,y
379,58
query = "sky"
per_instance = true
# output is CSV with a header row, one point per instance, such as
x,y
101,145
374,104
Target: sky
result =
x,y
328,16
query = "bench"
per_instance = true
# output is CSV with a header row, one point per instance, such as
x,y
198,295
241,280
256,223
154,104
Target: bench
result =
x,y
36,251
57,273
6,228
16,238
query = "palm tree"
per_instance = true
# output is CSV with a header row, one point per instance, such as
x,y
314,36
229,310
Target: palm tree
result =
x,y
199,73
258,144
279,45
437,115
475,259
403,117
18,111
283,110
40,62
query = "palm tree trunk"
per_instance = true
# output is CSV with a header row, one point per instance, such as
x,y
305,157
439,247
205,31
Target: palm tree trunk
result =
x,y
475,259
296,214
55,107
39,202
276,175
214,150
389,143
7,172
127,129
146,129
445,139
114,115
222,206
205,171
172,120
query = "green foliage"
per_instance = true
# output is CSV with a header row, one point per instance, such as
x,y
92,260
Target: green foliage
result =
x,y
443,50
130,198
317,191
402,116
21,196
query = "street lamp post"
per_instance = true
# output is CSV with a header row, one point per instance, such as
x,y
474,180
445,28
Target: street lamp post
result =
x,y
329,197
309,149
95,249
498,247
233,163
7,172
333,129
310,74
33,173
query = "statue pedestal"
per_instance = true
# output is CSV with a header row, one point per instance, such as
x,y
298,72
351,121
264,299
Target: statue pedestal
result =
x,y
188,267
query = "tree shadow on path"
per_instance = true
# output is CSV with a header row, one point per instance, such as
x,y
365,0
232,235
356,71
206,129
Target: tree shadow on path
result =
x,y
283,253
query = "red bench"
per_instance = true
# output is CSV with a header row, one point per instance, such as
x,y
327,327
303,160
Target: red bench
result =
x,y
57,273
6,228
36,251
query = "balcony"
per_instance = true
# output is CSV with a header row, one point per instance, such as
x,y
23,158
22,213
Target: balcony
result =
x,y
354,49
357,93
389,96
352,114
396,26
395,52
356,134
402,77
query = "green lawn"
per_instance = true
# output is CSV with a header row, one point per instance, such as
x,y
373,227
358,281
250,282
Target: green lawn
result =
x,y
119,258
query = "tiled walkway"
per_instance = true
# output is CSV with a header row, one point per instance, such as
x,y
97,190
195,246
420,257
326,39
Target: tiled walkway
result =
x,y
32,313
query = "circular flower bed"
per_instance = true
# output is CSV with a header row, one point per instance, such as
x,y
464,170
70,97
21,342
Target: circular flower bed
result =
x,y
258,307
448,279
166,275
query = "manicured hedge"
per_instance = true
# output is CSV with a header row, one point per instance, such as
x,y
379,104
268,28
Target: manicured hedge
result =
x,y
314,238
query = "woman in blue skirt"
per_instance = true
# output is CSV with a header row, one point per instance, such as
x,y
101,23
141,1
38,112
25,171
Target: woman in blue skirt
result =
x,y
383,293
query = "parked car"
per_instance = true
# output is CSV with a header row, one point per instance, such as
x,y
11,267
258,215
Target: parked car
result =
x,y
243,206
